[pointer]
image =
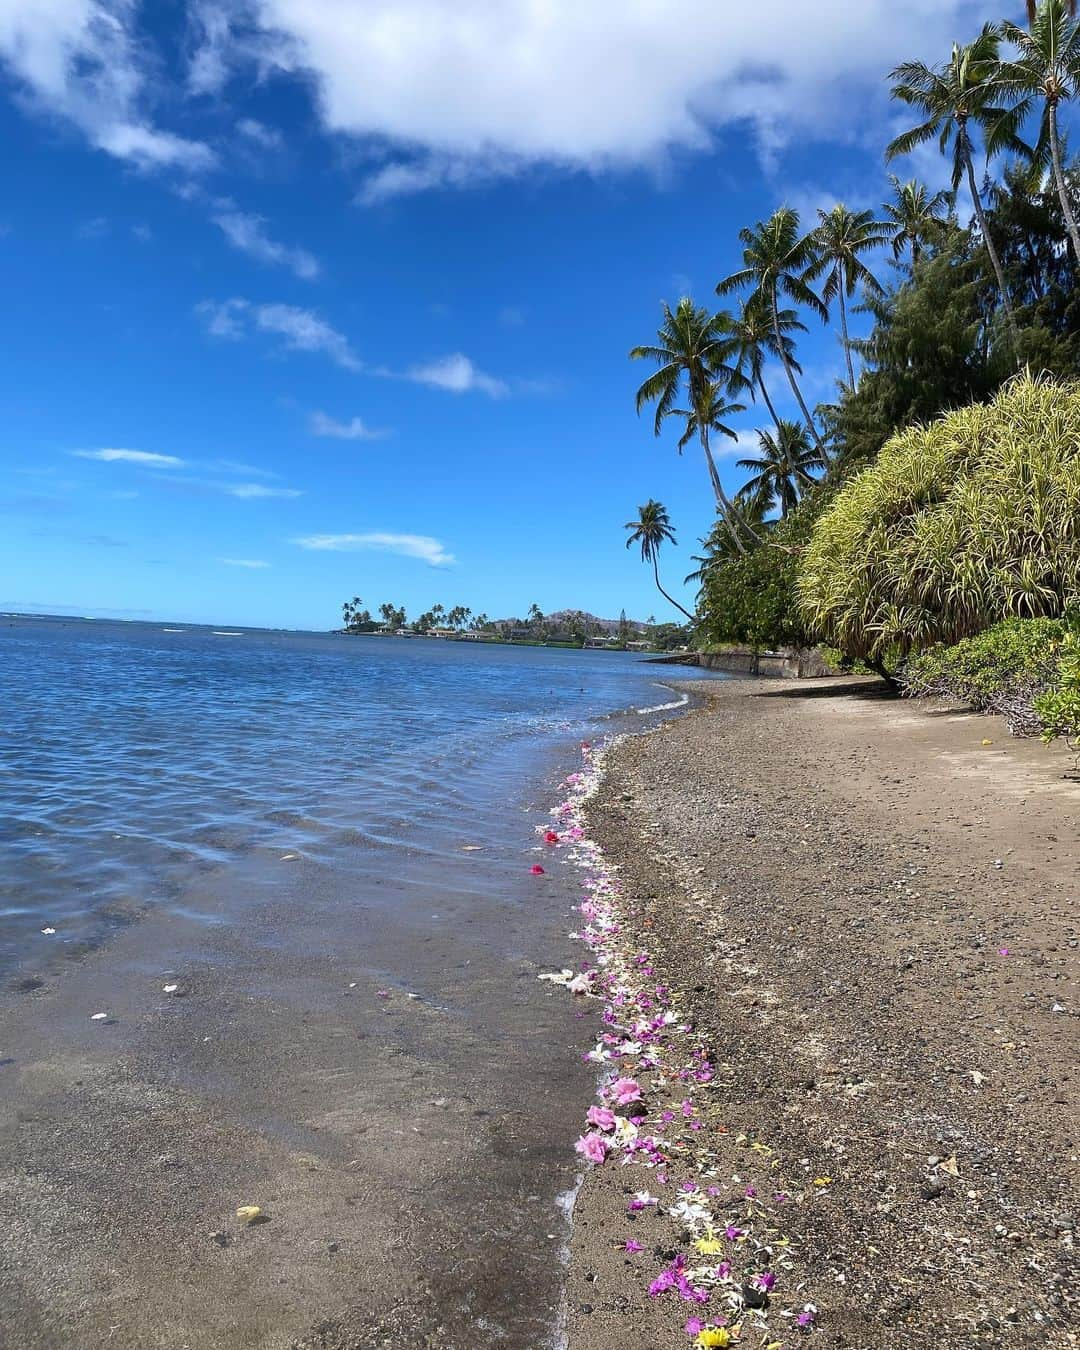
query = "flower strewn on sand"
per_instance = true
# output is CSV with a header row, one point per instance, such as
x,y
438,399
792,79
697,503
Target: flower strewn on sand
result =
x,y
656,1070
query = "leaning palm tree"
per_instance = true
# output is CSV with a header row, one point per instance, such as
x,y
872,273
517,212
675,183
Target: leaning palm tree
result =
x,y
915,216
842,238
775,261
753,334
784,468
652,529
953,99
1047,67
753,508
692,352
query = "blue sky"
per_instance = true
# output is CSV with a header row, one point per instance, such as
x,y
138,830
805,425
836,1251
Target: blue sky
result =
x,y
310,298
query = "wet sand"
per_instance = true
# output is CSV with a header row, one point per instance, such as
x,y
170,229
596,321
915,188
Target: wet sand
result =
x,y
408,1152
871,917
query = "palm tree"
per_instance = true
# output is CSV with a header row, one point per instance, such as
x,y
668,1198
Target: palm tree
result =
x,y
753,334
775,261
841,238
1032,7
1048,67
915,216
954,98
784,467
753,507
651,529
691,350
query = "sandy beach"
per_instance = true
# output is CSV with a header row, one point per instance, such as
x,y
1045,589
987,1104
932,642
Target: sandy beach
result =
x,y
866,910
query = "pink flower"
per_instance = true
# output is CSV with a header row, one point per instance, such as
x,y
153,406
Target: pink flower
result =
x,y
806,1317
592,1146
633,1246
536,870
551,837
382,993
764,1281
601,1117
1003,951
625,1090
663,1282
693,1326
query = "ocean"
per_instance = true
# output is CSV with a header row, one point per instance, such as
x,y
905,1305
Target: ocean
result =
x,y
270,934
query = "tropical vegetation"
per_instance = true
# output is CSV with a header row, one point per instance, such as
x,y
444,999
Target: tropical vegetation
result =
x,y
936,496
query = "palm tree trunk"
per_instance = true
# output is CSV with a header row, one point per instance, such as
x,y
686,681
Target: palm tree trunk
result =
x,y
791,375
847,340
995,261
1059,179
723,504
669,598
768,400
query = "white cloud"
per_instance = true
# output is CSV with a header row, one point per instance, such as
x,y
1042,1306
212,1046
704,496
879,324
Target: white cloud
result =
x,y
248,234
462,91
148,458
248,491
420,546
458,375
81,62
267,138
252,563
302,329
355,429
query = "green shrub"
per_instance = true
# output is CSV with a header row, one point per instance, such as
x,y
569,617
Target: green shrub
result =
x,y
956,526
1058,709
751,599
1004,670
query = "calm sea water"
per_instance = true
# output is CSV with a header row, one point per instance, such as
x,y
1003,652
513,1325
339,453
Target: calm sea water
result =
x,y
135,758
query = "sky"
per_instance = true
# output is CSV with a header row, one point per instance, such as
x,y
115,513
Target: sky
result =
x,y
309,299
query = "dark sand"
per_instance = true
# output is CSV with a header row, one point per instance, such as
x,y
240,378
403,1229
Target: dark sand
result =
x,y
815,870
408,1153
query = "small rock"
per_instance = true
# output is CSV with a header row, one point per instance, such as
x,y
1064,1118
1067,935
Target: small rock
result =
x,y
222,1239
932,1189
754,1297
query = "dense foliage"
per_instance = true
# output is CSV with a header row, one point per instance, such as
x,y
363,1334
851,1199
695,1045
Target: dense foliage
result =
x,y
956,525
1058,707
1003,670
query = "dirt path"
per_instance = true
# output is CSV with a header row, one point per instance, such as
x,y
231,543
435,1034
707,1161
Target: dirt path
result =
x,y
872,915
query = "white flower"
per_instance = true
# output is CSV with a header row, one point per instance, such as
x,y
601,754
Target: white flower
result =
x,y
690,1213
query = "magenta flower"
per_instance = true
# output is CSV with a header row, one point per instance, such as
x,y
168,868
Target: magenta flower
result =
x,y
805,1318
633,1246
601,1117
694,1325
536,870
592,1146
764,1281
625,1090
663,1282
733,1233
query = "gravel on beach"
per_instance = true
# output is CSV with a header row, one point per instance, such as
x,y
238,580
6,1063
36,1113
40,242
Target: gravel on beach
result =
x,y
869,909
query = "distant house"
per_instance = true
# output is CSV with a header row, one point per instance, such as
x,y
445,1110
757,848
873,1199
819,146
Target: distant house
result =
x,y
442,632
610,640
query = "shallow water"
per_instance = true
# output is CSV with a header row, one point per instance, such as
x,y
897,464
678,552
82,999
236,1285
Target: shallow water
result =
x,y
135,757
327,841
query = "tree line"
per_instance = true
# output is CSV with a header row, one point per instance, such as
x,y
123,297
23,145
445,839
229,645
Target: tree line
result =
x,y
969,305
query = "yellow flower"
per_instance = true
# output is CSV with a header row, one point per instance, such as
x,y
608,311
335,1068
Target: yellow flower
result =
x,y
709,1246
823,1181
714,1336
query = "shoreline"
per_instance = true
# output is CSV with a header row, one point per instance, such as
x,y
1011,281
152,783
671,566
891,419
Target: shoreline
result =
x,y
816,875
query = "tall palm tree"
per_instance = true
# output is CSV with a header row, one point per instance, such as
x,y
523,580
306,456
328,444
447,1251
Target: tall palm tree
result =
x,y
652,529
753,334
691,351
753,507
1033,5
784,468
914,216
775,260
842,238
954,98
1047,67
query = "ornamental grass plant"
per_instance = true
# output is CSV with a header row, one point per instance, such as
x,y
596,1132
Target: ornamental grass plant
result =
x,y
957,525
